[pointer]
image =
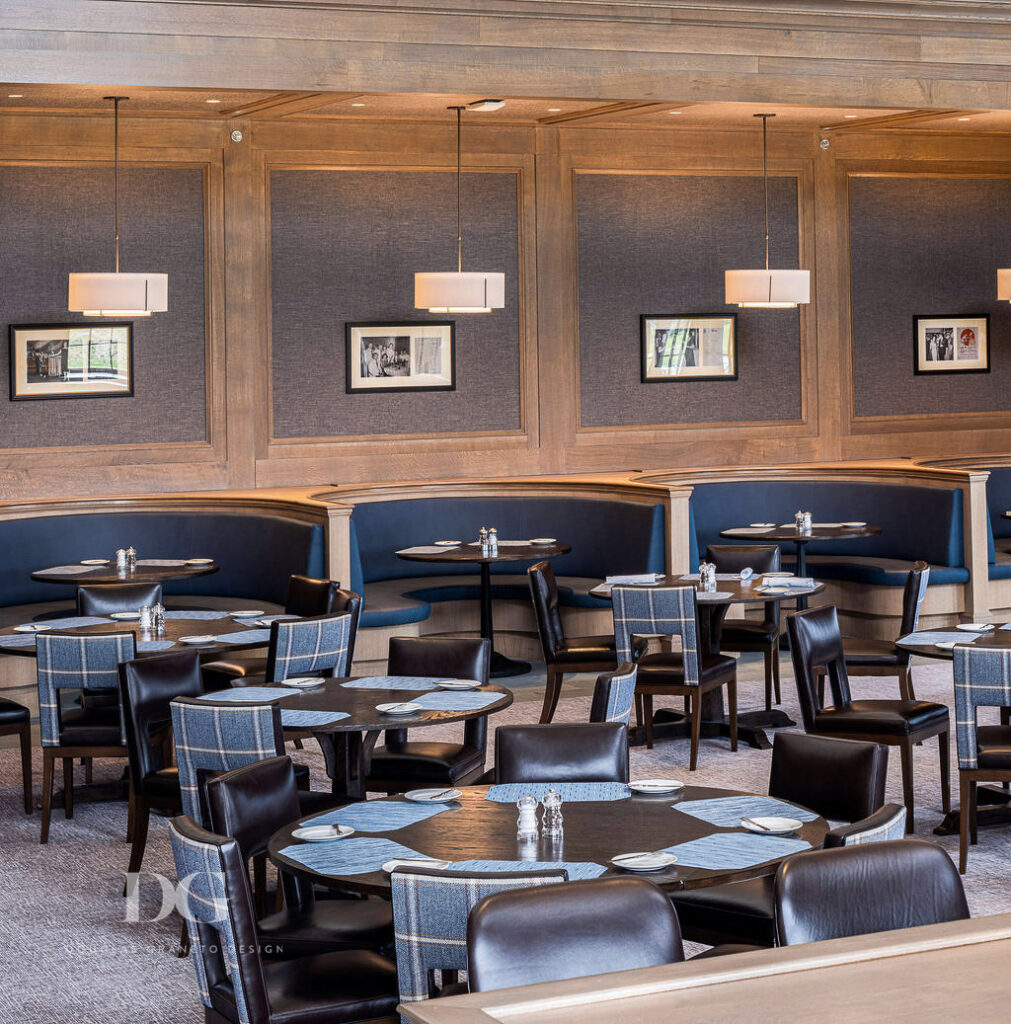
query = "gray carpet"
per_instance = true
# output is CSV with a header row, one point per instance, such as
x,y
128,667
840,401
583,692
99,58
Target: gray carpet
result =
x,y
70,955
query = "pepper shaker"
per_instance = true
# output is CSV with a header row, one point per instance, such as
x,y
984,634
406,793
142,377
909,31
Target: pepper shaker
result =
x,y
492,541
131,559
807,523
798,520
483,538
526,823
158,617
145,617
552,802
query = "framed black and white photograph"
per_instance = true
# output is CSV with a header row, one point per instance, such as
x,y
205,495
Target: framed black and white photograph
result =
x,y
951,344
418,356
71,361
688,348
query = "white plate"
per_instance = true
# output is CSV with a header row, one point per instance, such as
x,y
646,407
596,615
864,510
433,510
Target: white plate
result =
x,y
416,862
760,526
302,682
94,561
853,525
440,795
644,861
205,638
448,543
656,786
322,833
777,575
458,684
774,590
543,540
125,616
30,627
974,627
949,645
246,613
199,561
400,707
774,826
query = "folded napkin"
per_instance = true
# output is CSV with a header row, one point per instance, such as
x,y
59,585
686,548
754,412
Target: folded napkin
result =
x,y
250,694
358,855
196,615
250,636
577,870
727,811
381,815
788,581
642,577
301,718
393,683
460,700
571,792
730,851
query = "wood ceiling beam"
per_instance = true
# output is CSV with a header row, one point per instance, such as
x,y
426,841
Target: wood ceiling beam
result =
x,y
610,108
908,117
283,104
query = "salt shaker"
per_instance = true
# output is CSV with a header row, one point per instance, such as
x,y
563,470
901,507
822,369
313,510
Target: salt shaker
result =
x,y
145,617
799,521
492,541
121,558
526,823
552,802
158,618
807,523
131,559
483,538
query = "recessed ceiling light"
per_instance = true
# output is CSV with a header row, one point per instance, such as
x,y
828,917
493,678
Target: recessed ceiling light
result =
x,y
15,95
850,117
486,105
963,119
357,104
675,111
212,101
554,110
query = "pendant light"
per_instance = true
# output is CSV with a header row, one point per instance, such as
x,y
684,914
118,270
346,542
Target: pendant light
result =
x,y
117,294
459,291
767,289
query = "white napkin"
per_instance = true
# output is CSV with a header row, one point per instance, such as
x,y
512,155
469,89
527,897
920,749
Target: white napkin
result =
x,y
643,577
788,581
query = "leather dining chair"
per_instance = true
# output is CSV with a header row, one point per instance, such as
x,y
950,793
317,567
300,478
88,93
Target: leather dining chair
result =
x,y
562,654
402,763
880,827
236,985
857,890
16,720
250,804
105,598
815,643
596,752
746,635
614,695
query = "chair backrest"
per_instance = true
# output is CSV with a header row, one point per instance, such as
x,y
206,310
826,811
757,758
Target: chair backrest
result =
x,y
657,611
855,890
843,780
544,593
913,594
572,930
982,680
75,661
430,911
104,598
815,642
215,900
880,827
308,597
614,695
595,752
212,737
735,557
316,646
147,687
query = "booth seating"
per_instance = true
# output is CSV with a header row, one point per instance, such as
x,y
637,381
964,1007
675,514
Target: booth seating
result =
x,y
998,501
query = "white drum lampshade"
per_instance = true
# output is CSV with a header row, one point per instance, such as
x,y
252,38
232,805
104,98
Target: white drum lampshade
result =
x,y
1004,285
768,289
118,294
459,292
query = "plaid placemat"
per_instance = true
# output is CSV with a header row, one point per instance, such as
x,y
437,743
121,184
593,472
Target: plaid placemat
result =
x,y
577,870
355,856
299,718
381,815
394,683
250,694
461,700
64,570
74,621
728,851
727,811
571,792
196,615
155,645
18,640
250,636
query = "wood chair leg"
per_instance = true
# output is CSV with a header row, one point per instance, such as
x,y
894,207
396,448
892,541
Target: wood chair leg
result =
x,y
768,678
647,714
904,683
909,682
906,751
89,775
963,823
260,883
68,787
942,750
821,690
297,744
184,941
638,710
131,814
141,819
973,812
693,757
48,763
732,712
552,689
26,765
775,672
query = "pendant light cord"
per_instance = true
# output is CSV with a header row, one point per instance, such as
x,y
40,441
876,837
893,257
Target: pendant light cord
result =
x,y
459,185
765,177
116,100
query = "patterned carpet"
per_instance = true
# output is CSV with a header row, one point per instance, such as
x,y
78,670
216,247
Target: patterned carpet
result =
x,y
70,954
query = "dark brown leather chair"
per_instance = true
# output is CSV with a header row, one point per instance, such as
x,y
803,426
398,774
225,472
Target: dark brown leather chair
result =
x,y
338,988
840,779
105,598
562,654
815,643
571,930
856,890
745,635
250,804
147,686
15,720
401,763
596,752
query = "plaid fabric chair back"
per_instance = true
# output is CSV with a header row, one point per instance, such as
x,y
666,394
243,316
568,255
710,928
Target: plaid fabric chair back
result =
x,y
893,827
68,661
430,911
614,695
211,738
982,680
210,898
657,611
309,647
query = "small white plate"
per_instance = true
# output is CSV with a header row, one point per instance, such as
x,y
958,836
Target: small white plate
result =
x,y
448,543
31,627
949,645
401,707
205,638
762,526
199,561
440,795
458,684
543,540
648,786
416,862
854,525
773,826
644,861
322,833
302,682
974,627
94,561
246,613
777,575
125,616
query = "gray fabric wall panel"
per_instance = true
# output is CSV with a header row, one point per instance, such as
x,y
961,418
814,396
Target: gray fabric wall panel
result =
x,y
55,220
659,244
344,247
921,246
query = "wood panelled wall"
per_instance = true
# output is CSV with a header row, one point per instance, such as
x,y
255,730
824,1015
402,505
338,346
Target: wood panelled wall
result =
x,y
547,164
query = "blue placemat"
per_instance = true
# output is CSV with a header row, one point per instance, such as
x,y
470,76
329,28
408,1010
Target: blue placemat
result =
x,y
250,694
196,615
727,811
381,815
155,645
463,700
355,856
929,637
299,718
249,636
73,622
394,683
728,851
571,792
577,869
264,618
18,640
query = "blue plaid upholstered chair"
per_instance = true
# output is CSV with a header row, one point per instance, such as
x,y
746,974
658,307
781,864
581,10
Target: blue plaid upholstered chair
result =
x,y
309,647
982,680
84,663
430,911
236,985
669,612
614,695
880,827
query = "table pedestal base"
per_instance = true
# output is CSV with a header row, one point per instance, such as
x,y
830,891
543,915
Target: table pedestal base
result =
x,y
751,726
348,757
993,809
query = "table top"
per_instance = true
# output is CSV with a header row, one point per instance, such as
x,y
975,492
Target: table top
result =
x,y
993,637
144,573
480,829
470,552
735,591
788,532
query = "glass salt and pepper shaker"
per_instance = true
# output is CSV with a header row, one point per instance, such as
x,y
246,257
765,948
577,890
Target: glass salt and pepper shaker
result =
x,y
158,618
131,559
492,541
121,562
145,617
483,538
552,819
807,523
526,823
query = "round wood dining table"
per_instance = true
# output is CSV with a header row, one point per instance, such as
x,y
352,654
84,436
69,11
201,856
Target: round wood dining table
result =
x,y
145,572
470,554
594,831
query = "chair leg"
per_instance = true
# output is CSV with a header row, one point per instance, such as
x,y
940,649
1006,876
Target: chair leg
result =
x,y
904,683
638,710
141,819
906,750
68,787
821,690
768,678
909,683
732,712
89,775
131,814
48,763
942,750
259,883
775,672
647,714
551,693
963,823
184,941
693,758
973,812
26,765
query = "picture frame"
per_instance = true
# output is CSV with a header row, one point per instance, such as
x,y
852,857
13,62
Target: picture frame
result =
x,y
951,344
383,357
681,348
52,361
